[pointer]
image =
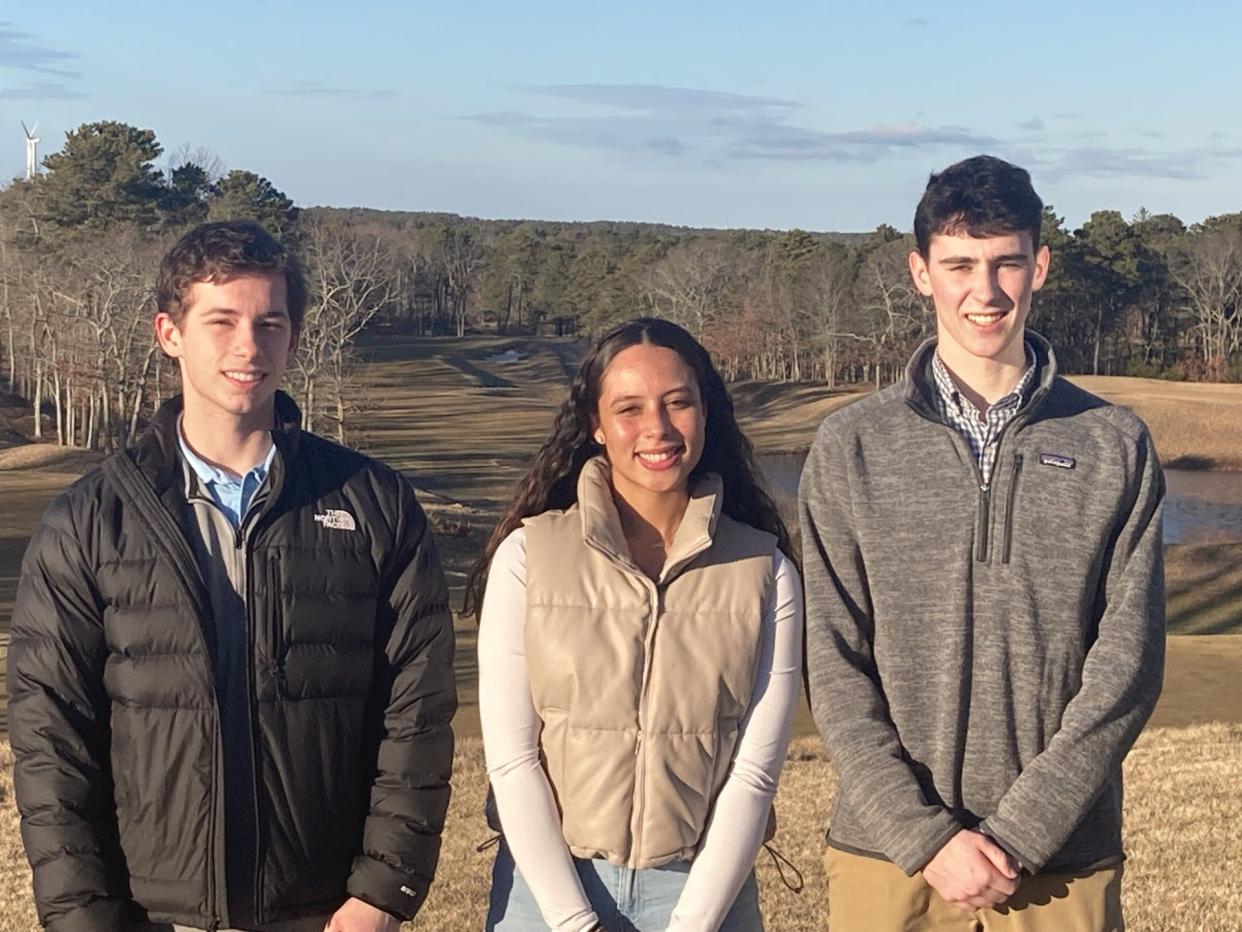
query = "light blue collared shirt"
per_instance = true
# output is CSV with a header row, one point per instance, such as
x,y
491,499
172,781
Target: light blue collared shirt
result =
x,y
231,494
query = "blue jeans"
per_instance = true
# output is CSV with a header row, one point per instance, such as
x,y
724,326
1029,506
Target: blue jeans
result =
x,y
625,900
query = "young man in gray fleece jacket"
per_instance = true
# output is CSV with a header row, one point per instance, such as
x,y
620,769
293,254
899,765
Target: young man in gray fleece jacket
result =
x,y
985,601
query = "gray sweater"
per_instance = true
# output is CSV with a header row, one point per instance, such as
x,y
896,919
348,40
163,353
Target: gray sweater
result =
x,y
982,657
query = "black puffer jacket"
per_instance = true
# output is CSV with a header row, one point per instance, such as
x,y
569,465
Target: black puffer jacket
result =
x,y
113,714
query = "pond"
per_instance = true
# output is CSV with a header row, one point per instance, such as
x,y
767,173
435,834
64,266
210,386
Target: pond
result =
x,y
1202,506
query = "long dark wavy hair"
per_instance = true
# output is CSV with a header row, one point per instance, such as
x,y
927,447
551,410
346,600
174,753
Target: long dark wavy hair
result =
x,y
552,481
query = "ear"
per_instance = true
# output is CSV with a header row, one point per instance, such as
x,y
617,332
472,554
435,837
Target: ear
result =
x,y
1043,257
168,335
293,343
920,273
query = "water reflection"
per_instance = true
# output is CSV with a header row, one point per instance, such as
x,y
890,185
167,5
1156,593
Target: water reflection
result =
x,y
1202,506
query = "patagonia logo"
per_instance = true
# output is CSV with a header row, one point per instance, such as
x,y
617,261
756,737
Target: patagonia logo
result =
x,y
1054,459
337,520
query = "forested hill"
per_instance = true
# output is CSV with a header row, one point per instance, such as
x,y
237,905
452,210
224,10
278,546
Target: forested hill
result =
x,y
80,242
570,229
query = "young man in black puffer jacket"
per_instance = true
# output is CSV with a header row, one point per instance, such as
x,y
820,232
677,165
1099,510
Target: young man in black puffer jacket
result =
x,y
230,673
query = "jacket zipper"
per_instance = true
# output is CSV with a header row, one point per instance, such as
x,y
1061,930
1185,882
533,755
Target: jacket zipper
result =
x,y
266,500
1011,498
244,537
1017,422
982,531
247,584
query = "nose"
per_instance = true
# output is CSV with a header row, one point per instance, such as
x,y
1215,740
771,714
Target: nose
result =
x,y
987,288
245,340
657,422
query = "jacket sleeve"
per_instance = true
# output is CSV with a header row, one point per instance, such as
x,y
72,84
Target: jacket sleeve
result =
x,y
847,699
1121,680
414,699
58,726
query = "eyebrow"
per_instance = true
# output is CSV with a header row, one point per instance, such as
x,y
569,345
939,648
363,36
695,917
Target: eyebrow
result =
x,y
232,312
971,260
672,391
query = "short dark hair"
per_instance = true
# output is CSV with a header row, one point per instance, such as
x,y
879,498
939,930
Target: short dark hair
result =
x,y
217,252
980,196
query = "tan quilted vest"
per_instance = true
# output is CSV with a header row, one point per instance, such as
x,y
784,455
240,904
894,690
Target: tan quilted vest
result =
x,y
641,684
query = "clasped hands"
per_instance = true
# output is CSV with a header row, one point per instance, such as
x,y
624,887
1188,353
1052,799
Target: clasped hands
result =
x,y
972,871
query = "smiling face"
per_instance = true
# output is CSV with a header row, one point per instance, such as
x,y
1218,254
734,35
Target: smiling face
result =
x,y
651,422
232,342
981,287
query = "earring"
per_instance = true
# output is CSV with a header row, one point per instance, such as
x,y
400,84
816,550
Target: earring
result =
x,y
599,437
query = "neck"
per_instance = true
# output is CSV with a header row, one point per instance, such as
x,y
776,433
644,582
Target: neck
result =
x,y
233,444
648,520
984,381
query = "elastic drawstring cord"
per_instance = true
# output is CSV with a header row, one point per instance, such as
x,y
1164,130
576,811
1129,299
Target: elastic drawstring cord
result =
x,y
490,843
781,862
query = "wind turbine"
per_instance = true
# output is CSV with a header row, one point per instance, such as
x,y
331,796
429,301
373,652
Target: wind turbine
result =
x,y
32,150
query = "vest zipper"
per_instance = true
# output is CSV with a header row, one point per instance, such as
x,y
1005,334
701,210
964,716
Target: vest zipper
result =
x,y
1012,496
640,769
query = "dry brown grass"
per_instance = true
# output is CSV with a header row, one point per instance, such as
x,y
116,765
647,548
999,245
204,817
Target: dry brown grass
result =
x,y
465,427
1195,425
1183,809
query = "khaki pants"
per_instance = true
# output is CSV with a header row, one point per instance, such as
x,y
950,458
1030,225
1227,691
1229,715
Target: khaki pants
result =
x,y
870,895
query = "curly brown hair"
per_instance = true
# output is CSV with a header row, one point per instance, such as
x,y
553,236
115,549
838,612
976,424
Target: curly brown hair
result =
x,y
552,481
216,252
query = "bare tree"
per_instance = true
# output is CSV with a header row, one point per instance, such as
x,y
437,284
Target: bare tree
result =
x,y
688,285
831,297
1208,267
352,277
892,315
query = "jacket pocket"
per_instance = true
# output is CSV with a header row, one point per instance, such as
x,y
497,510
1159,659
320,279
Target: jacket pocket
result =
x,y
1010,499
276,621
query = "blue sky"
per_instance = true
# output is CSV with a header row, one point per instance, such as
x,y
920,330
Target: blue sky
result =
x,y
825,116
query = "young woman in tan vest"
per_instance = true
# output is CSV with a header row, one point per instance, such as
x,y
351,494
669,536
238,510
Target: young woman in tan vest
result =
x,y
639,654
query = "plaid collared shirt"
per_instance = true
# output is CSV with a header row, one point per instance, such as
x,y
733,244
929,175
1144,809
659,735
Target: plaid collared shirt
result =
x,y
982,429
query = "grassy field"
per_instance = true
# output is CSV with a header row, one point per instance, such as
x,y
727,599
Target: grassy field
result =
x,y
464,425
1182,803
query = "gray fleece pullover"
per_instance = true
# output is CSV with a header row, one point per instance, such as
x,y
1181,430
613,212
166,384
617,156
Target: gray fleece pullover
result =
x,y
982,658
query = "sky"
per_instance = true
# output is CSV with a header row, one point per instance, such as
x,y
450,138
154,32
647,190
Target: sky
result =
x,y
823,116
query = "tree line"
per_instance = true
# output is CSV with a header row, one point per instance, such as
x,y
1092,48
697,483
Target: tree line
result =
x,y
80,242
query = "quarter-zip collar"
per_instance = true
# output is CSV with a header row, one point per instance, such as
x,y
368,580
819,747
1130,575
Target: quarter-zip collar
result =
x,y
921,384
601,523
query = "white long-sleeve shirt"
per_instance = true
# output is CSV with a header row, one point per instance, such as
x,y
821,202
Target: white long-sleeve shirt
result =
x,y
511,728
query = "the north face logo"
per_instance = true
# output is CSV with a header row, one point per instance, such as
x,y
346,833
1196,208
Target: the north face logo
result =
x,y
337,520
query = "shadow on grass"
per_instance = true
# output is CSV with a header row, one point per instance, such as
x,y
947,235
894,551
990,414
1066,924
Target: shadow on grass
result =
x,y
1191,463
1204,588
